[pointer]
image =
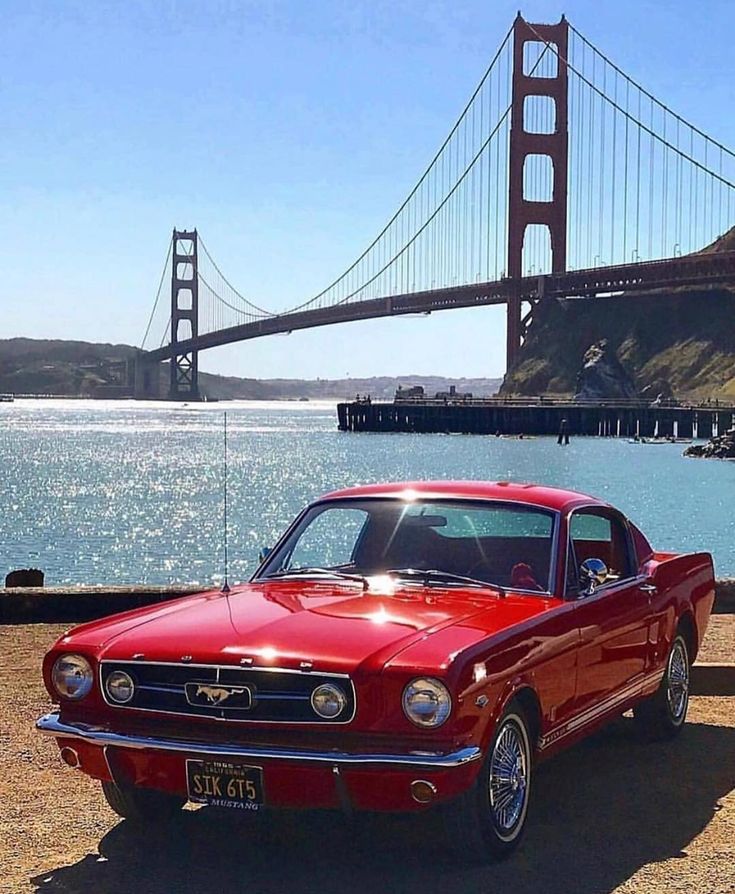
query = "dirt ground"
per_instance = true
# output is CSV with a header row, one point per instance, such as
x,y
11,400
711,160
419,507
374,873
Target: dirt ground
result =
x,y
610,815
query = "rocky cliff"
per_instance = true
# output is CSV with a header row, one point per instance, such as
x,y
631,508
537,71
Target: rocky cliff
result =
x,y
603,376
682,341
678,343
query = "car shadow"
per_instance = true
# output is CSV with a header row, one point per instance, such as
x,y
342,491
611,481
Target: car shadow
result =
x,y
601,811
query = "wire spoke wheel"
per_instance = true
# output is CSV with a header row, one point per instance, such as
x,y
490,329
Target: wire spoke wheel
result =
x,y
677,691
509,777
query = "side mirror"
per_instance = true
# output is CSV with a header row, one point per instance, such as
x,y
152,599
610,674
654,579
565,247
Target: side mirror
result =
x,y
265,551
592,574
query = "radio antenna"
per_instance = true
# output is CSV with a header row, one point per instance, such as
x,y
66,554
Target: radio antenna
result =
x,y
225,585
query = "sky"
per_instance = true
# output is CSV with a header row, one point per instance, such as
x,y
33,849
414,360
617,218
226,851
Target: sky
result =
x,y
287,132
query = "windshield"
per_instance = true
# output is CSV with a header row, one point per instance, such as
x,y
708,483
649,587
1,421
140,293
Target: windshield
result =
x,y
502,544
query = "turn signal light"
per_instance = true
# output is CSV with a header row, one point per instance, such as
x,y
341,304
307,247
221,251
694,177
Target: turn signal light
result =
x,y
69,756
422,791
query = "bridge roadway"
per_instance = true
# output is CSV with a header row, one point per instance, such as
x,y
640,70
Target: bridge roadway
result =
x,y
695,270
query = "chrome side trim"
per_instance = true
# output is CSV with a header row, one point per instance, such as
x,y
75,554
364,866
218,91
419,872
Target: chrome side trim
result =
x,y
51,725
593,713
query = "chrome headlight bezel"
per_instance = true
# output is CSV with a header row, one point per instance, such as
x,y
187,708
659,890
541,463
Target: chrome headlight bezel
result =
x,y
118,675
72,676
334,691
427,702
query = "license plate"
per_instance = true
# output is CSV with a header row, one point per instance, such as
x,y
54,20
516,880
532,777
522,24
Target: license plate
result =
x,y
221,784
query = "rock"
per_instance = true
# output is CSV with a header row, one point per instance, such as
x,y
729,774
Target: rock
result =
x,y
658,391
24,577
602,376
721,447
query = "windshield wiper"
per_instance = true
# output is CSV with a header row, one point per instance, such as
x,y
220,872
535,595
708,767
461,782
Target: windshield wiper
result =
x,y
305,572
435,574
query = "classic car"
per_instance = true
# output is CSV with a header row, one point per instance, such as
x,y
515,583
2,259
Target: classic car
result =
x,y
403,647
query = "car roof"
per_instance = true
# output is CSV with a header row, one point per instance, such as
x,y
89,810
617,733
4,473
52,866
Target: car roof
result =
x,y
541,495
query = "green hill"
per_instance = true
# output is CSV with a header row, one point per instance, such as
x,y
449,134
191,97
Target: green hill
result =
x,y
84,369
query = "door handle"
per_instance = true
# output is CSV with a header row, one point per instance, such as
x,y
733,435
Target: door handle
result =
x,y
648,588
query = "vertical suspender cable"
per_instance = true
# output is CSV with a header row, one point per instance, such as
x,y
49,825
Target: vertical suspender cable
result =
x,y
625,177
614,165
638,187
601,208
651,152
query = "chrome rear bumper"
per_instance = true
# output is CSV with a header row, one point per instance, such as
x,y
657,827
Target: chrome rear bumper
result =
x,y
51,725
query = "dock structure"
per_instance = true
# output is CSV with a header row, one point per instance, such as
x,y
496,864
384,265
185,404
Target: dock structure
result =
x,y
544,416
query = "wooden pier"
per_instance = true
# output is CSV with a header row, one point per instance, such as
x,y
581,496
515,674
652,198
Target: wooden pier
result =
x,y
621,419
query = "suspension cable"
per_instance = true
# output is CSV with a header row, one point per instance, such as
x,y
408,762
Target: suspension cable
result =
x,y
226,303
258,310
646,92
413,191
632,118
444,201
158,294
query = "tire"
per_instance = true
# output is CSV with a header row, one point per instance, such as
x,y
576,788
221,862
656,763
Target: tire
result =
x,y
486,823
662,715
141,805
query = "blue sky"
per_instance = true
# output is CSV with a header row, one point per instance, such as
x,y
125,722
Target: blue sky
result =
x,y
287,133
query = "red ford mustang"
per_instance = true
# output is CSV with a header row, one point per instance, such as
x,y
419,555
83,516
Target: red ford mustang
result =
x,y
403,647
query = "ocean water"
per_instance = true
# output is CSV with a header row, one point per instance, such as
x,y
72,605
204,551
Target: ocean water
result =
x,y
128,492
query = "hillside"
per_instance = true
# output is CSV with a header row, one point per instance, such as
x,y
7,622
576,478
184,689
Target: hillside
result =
x,y
684,339
74,368
378,387
85,369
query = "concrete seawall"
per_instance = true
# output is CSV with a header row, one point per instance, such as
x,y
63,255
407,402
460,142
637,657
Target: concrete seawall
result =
x,y
28,605
74,604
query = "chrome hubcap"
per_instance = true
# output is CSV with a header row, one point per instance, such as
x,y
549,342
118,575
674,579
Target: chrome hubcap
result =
x,y
678,681
508,781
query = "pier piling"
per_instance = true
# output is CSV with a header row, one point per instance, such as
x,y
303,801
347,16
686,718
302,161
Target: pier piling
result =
x,y
560,418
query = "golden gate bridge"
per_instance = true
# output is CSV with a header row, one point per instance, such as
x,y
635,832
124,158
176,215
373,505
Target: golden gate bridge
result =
x,y
562,177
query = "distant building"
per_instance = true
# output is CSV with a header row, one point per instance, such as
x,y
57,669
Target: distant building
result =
x,y
453,394
415,392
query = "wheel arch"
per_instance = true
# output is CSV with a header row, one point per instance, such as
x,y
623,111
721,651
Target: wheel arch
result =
x,y
687,626
525,696
528,700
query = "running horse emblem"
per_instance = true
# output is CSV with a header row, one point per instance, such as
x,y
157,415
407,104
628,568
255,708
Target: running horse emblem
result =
x,y
215,695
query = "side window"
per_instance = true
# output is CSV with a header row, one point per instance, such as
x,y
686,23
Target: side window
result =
x,y
598,536
586,526
330,540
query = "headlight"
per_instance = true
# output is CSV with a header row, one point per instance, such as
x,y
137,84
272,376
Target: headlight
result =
x,y
72,676
426,702
120,687
328,701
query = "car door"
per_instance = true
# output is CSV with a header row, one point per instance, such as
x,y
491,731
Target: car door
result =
x,y
614,619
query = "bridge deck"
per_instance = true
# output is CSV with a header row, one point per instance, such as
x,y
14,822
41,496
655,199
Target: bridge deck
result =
x,y
697,270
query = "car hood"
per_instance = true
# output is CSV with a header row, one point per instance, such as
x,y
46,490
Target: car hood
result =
x,y
336,626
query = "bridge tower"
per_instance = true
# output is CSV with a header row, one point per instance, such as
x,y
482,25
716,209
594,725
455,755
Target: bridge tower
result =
x,y
524,143
184,315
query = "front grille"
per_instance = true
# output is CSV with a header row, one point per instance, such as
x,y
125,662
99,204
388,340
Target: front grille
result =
x,y
253,694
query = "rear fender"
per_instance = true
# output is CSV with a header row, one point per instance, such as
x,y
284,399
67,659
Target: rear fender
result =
x,y
685,593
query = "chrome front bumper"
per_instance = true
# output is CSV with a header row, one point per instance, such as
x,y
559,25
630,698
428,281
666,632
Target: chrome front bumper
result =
x,y
97,735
